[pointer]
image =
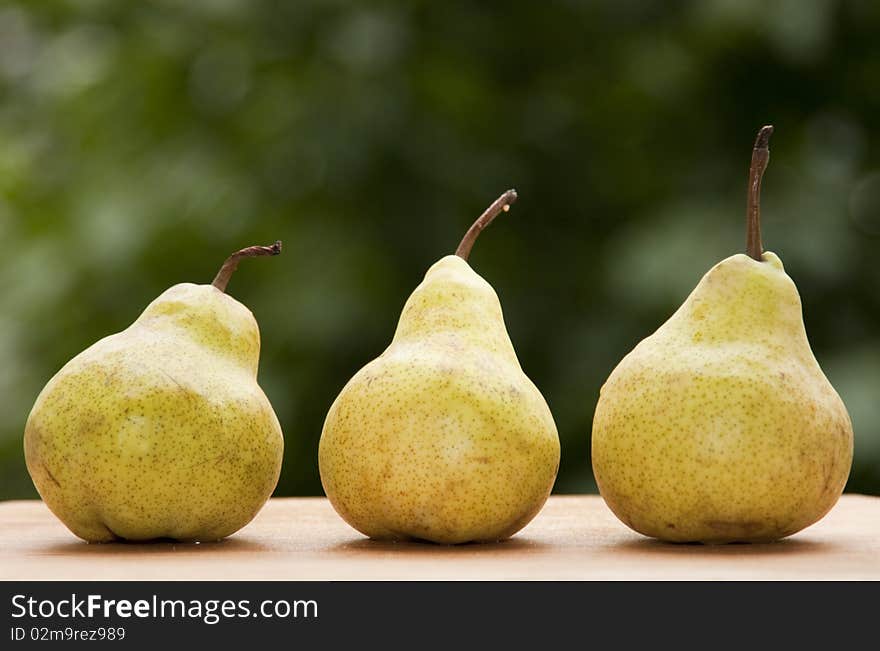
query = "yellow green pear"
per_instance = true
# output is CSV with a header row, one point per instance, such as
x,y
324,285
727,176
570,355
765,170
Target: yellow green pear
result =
x,y
442,438
161,430
721,427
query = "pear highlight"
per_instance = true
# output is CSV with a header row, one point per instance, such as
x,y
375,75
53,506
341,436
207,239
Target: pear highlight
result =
x,y
721,427
161,430
442,438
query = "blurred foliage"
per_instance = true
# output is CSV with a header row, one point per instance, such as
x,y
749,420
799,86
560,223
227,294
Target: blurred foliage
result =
x,y
143,142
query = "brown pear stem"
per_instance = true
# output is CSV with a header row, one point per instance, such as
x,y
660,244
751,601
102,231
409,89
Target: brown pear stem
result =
x,y
231,264
760,158
501,204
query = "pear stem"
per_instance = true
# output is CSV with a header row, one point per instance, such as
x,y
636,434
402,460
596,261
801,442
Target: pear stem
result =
x,y
501,204
760,158
231,264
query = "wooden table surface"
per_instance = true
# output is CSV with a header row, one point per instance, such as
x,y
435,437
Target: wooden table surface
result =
x,y
574,537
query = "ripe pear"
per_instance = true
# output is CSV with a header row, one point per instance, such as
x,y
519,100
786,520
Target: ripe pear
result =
x,y
161,430
721,427
442,438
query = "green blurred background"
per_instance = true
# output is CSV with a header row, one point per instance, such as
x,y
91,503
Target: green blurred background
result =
x,y
139,145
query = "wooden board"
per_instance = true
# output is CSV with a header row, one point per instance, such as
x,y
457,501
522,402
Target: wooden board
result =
x,y
574,537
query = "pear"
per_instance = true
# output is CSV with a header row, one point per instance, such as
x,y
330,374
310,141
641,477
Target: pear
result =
x,y
161,430
442,438
721,427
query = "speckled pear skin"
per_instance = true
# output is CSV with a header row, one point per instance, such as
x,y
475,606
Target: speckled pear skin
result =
x,y
721,426
442,438
159,431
